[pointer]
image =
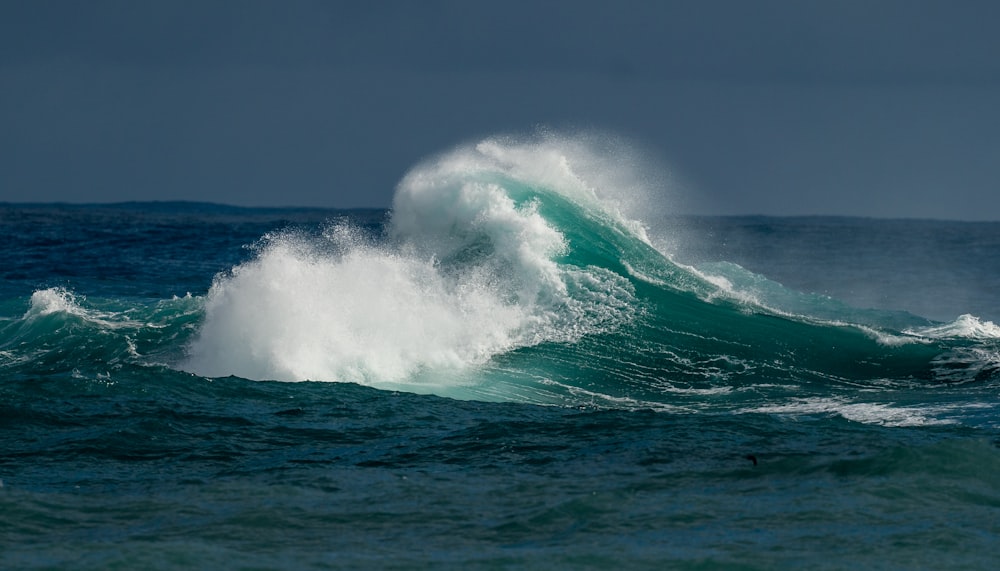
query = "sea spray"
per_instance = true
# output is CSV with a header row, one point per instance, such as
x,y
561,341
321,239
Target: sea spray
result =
x,y
364,314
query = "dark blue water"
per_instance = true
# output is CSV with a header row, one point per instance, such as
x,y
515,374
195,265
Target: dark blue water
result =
x,y
810,393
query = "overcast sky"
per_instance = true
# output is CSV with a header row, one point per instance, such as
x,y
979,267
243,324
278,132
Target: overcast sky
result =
x,y
872,108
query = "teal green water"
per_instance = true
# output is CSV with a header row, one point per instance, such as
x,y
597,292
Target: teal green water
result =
x,y
494,374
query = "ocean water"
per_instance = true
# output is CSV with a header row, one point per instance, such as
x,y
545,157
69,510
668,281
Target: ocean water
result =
x,y
526,362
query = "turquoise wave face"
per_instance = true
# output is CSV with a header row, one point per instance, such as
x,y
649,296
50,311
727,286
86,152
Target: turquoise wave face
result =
x,y
697,339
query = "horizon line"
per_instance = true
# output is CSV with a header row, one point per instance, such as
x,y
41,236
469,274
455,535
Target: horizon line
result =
x,y
196,204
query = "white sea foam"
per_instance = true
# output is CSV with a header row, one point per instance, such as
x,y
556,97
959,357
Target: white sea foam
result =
x,y
57,300
867,413
53,300
965,327
295,313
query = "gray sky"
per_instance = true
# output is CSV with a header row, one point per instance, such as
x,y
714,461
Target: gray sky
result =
x,y
873,108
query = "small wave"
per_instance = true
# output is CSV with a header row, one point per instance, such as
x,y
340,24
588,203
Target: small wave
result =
x,y
54,300
964,327
61,330
863,412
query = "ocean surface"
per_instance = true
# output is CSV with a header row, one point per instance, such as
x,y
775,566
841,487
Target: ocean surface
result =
x,y
527,362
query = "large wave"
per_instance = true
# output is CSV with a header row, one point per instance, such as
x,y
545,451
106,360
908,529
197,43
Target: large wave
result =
x,y
473,263
523,269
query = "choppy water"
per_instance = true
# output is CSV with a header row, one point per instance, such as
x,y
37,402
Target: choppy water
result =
x,y
514,367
